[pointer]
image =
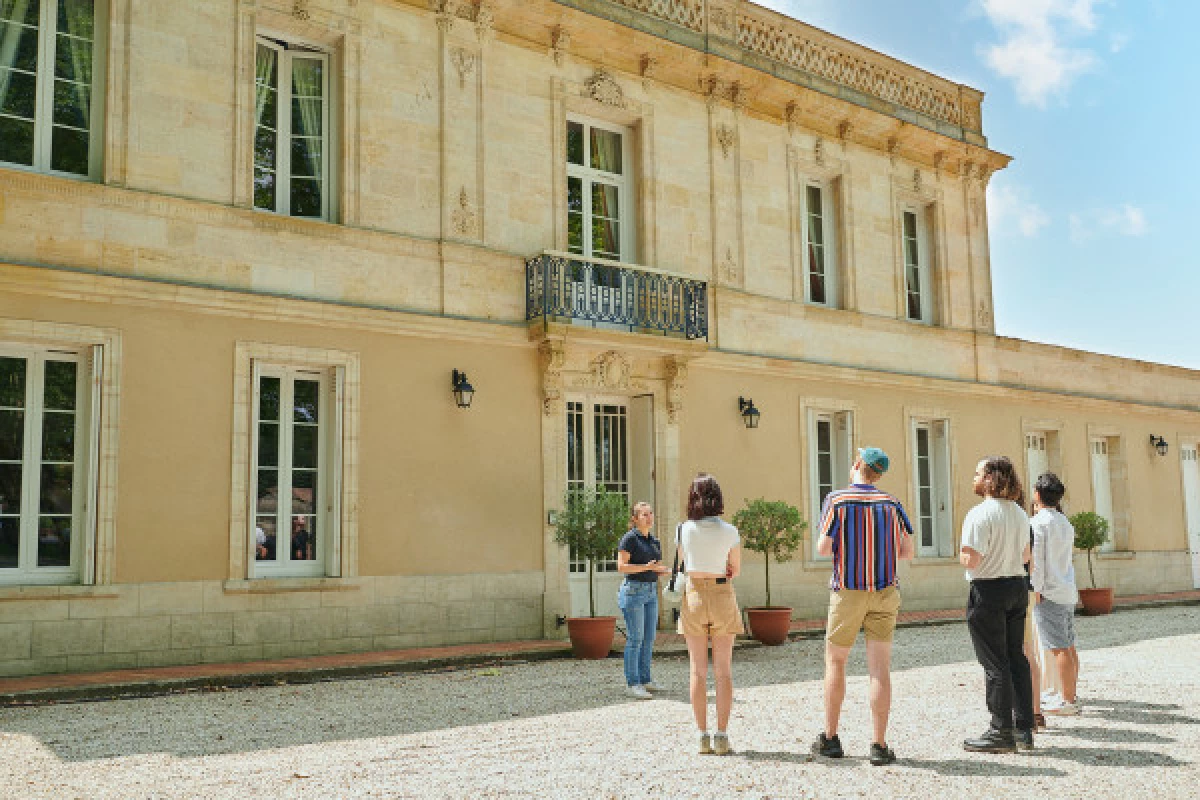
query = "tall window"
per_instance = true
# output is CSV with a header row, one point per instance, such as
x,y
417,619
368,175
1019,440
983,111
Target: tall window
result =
x,y
831,434
292,476
820,260
918,299
931,482
1102,487
599,218
46,433
49,115
291,133
597,455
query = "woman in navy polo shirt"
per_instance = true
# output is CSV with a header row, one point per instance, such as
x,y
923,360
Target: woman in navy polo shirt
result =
x,y
639,559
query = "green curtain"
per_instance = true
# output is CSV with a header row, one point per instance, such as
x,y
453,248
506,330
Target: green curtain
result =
x,y
16,10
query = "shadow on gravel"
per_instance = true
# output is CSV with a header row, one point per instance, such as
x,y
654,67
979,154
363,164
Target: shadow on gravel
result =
x,y
1100,757
1137,713
980,768
1115,735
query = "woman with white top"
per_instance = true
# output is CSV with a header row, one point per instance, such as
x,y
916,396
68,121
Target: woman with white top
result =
x,y
712,558
1053,579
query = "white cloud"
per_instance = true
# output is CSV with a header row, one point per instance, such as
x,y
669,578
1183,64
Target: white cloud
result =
x,y
1036,49
1118,42
1123,220
1007,207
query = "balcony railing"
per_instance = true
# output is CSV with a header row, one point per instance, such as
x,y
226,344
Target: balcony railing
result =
x,y
575,290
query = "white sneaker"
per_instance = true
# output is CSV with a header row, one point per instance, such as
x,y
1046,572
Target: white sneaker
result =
x,y
639,692
1064,710
651,686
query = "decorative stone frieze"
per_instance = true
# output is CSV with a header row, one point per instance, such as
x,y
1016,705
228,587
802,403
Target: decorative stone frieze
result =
x,y
676,374
603,88
612,370
463,218
727,138
552,355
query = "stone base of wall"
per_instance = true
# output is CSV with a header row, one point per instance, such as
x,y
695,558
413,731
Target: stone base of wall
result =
x,y
80,629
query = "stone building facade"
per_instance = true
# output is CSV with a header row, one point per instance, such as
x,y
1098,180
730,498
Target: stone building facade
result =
x,y
246,243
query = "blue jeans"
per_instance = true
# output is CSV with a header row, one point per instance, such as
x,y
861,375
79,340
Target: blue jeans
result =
x,y
638,601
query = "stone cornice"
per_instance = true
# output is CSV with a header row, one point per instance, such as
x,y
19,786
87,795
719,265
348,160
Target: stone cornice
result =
x,y
756,37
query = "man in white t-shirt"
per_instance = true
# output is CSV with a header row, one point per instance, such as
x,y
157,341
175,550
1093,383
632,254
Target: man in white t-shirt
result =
x,y
995,549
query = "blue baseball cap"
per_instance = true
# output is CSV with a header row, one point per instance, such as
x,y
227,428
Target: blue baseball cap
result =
x,y
874,458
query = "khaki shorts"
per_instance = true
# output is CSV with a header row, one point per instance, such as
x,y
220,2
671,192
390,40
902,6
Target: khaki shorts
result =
x,y
852,610
709,608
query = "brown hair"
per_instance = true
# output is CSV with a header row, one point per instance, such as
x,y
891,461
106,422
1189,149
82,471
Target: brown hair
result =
x,y
1000,479
704,498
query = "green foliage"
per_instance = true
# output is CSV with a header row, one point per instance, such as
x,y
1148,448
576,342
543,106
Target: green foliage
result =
x,y
591,523
773,528
1091,531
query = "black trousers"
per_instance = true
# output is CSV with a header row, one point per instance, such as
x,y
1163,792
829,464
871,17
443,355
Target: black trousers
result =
x,y
996,612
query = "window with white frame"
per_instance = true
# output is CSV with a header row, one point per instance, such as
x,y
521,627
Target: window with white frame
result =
x,y
931,487
599,212
291,129
820,256
49,410
918,291
50,105
295,488
1102,486
831,434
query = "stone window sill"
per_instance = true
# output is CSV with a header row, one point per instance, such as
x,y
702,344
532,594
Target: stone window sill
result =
x,y
68,592
280,585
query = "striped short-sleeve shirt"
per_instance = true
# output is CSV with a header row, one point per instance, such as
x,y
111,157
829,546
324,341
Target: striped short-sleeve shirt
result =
x,y
866,526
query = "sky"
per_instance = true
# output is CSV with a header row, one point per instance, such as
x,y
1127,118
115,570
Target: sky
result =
x,y
1094,233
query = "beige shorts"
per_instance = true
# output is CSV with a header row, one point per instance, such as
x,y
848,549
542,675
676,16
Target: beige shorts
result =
x,y
852,610
709,608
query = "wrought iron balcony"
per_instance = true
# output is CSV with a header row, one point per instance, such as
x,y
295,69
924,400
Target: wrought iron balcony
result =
x,y
571,289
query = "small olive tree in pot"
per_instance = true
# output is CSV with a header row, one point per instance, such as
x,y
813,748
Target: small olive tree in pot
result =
x,y
1091,531
591,523
775,529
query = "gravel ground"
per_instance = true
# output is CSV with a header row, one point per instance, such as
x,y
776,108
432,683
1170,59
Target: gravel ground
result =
x,y
565,729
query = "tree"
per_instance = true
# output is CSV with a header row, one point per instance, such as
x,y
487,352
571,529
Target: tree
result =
x,y
773,528
1091,531
591,524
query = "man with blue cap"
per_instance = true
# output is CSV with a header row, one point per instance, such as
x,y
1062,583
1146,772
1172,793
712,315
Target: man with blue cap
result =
x,y
866,532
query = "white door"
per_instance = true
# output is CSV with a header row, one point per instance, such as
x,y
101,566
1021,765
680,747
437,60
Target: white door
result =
x,y
1037,460
1102,486
931,456
1191,497
609,444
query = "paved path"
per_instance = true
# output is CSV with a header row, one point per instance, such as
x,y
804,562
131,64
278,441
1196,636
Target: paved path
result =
x,y
564,729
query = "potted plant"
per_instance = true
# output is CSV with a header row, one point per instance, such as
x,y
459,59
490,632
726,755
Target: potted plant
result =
x,y
1091,531
591,524
775,529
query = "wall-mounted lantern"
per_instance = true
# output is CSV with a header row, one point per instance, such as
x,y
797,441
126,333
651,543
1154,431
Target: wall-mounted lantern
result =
x,y
1159,444
464,392
750,414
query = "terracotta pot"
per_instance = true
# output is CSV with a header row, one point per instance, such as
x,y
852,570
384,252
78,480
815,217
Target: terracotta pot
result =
x,y
770,625
591,637
1096,601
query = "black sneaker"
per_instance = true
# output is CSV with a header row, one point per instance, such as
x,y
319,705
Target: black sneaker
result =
x,y
882,755
828,747
992,741
1024,741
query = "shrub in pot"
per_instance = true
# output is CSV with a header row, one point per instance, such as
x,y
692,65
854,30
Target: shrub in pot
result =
x,y
775,529
1091,531
591,523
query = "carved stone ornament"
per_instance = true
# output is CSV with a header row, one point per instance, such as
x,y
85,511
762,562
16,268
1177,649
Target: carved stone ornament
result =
x,y
676,378
463,217
716,89
722,21
560,40
485,21
464,63
939,163
727,138
843,129
984,315
649,65
916,180
791,115
603,88
611,370
819,151
300,10
728,270
893,149
447,11
552,356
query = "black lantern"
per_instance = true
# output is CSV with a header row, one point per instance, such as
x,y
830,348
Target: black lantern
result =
x,y
464,392
750,414
1159,444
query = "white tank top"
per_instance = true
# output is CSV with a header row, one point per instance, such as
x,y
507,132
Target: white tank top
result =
x,y
705,544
